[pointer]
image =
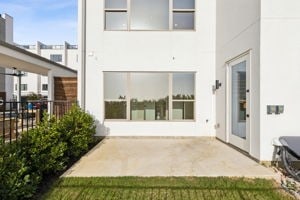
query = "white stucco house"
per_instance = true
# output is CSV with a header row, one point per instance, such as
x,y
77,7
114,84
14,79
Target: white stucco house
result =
x,y
223,68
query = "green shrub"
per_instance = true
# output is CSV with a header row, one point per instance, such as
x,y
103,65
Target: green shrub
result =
x,y
43,148
16,181
43,152
78,129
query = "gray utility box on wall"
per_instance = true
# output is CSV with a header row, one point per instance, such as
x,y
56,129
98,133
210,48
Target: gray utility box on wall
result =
x,y
275,109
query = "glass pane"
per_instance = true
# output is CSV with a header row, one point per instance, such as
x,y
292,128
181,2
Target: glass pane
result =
x,y
150,14
115,85
149,96
183,110
115,20
183,20
183,86
239,103
184,4
149,110
115,110
116,4
242,95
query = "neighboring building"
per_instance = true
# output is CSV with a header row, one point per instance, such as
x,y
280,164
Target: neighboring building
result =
x,y
66,55
6,35
62,80
226,68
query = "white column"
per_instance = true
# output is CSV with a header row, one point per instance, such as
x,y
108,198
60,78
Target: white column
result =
x,y
50,90
39,82
19,81
8,84
82,52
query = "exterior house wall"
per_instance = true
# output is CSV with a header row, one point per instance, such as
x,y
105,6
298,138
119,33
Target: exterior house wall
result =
x,y
47,52
151,51
238,31
44,80
72,59
31,80
280,70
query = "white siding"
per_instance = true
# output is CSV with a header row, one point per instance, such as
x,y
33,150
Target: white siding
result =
x,y
47,52
152,51
72,59
238,31
280,70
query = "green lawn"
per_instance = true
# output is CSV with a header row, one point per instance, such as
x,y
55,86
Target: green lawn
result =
x,y
165,188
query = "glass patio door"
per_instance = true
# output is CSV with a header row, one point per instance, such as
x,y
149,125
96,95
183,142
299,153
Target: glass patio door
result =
x,y
239,103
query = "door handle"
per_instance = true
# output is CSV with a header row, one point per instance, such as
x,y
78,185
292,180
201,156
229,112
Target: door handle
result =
x,y
247,115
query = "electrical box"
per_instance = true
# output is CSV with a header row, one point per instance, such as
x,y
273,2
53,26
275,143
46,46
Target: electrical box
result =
x,y
275,109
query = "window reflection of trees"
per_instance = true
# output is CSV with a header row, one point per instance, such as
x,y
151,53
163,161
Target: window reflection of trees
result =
x,y
146,91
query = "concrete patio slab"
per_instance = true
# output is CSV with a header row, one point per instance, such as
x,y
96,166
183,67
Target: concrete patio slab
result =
x,y
166,157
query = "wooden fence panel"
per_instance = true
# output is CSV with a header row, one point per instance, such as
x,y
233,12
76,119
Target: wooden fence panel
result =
x,y
65,88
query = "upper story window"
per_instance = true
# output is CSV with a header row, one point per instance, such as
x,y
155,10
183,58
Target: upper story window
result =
x,y
23,87
116,15
56,57
45,87
149,15
183,14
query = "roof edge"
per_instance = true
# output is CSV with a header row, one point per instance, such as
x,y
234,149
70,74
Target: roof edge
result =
x,y
20,50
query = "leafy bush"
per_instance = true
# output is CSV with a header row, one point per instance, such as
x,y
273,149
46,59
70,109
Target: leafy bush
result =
x,y
78,129
42,152
43,148
16,181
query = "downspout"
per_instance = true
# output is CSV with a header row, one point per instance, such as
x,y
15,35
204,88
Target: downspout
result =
x,y
83,60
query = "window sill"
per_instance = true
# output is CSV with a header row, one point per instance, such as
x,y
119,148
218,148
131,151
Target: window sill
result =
x,y
141,121
174,30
